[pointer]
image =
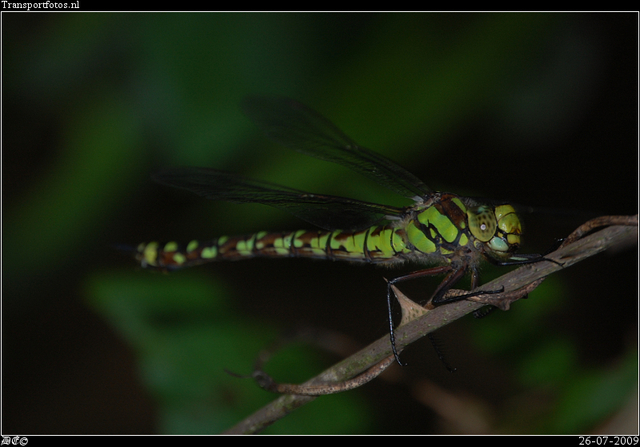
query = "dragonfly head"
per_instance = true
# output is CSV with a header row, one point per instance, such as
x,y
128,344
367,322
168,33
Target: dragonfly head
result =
x,y
497,228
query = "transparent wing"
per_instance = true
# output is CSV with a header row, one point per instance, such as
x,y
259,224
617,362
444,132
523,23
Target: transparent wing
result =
x,y
327,212
300,128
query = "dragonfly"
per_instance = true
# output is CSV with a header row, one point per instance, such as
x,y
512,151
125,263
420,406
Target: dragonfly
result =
x,y
446,234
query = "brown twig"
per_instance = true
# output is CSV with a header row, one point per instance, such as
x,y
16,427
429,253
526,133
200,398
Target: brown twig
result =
x,y
516,284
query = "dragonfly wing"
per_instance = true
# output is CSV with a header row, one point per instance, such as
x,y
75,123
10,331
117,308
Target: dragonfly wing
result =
x,y
327,212
302,129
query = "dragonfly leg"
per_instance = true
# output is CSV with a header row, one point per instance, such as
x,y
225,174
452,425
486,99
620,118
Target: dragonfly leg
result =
x,y
439,352
439,299
483,311
447,283
417,274
453,276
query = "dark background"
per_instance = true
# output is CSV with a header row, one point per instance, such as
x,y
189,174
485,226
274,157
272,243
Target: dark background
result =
x,y
540,109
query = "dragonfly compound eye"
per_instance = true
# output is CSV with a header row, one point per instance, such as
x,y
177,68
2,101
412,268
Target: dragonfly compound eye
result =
x,y
482,223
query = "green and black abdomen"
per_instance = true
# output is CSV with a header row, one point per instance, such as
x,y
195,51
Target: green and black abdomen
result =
x,y
376,244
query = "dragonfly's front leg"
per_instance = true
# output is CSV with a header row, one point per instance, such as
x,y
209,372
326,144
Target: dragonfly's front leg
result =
x,y
438,298
418,274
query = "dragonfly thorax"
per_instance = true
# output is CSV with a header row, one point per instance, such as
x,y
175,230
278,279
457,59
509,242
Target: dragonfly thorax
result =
x,y
459,229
